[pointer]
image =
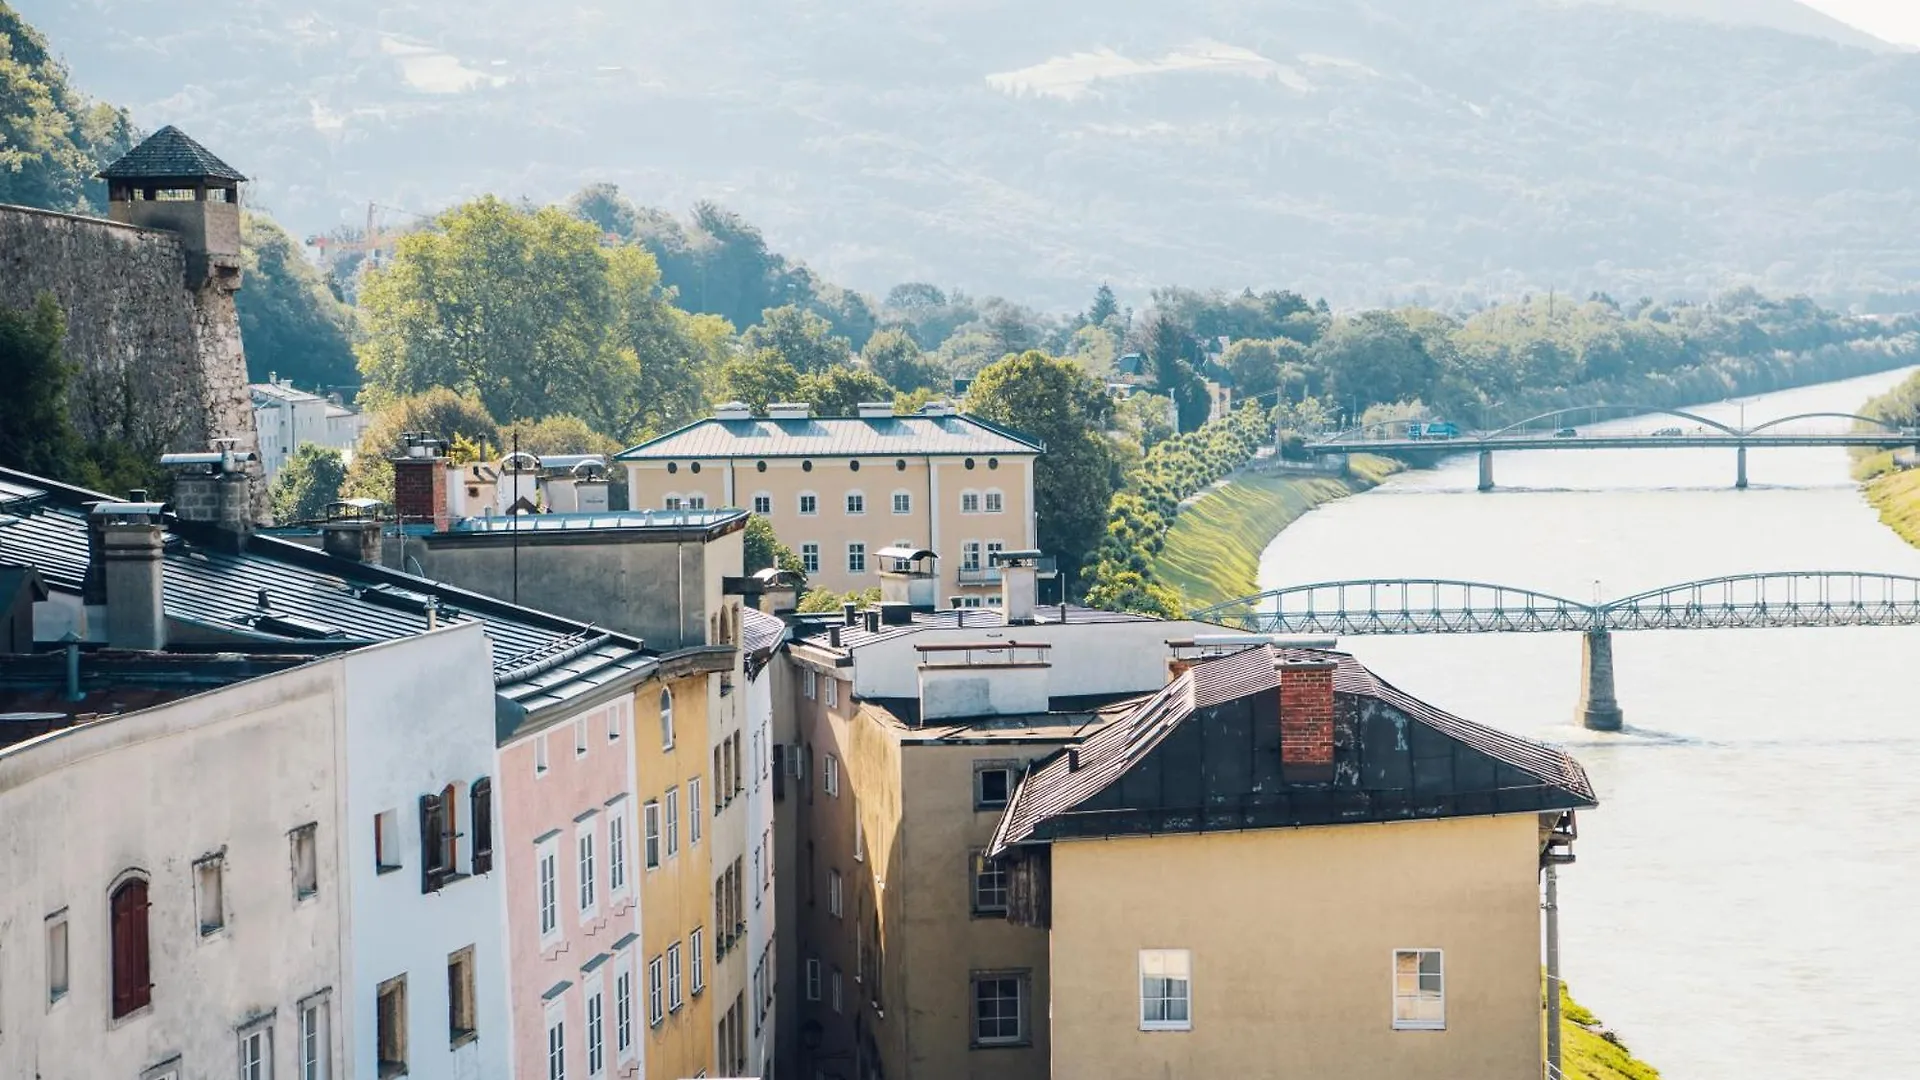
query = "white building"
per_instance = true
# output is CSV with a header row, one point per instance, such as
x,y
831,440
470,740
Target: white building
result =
x,y
288,418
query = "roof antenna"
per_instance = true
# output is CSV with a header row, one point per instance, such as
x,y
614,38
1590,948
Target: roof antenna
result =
x,y
262,600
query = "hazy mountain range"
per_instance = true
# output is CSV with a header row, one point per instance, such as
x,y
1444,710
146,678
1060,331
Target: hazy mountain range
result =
x,y
1358,150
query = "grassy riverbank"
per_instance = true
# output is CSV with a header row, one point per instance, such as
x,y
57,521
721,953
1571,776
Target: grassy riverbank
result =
x,y
1589,1052
1893,491
1212,553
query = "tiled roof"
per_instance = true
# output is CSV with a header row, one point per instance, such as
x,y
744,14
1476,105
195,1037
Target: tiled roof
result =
x,y
835,436
168,154
1058,790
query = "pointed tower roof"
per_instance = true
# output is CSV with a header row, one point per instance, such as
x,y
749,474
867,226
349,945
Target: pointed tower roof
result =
x,y
170,154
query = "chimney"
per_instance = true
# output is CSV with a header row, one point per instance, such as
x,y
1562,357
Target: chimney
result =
x,y
937,408
873,620
833,636
871,410
420,482
212,487
356,539
1019,585
1306,720
733,410
788,410
850,612
131,542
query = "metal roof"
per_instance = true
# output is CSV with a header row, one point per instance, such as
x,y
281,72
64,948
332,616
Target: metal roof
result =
x,y
610,519
835,436
280,393
169,154
1068,795
815,633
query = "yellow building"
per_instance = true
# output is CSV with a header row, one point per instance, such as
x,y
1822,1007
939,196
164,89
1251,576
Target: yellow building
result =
x,y
1282,866
839,489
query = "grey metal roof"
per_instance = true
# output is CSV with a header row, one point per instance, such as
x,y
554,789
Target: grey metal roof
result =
x,y
611,519
1058,798
816,632
169,154
835,436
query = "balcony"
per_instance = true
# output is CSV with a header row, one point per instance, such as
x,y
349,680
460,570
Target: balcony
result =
x,y
980,575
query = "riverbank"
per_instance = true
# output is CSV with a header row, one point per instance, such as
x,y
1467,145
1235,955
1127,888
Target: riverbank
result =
x,y
1589,1051
1893,490
1212,552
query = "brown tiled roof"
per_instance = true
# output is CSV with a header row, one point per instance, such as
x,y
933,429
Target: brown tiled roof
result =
x,y
169,154
835,436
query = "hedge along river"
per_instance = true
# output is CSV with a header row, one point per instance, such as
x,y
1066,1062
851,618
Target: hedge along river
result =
x,y
1742,907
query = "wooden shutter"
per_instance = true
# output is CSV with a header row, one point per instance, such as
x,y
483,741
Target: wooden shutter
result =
x,y
431,872
132,986
1029,886
482,796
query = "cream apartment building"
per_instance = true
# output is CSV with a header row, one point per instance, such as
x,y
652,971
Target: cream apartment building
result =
x,y
838,489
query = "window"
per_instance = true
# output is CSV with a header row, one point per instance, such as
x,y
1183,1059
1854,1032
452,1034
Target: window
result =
x,y
589,899
580,737
314,1051
813,979
436,841
596,1034
763,504
856,503
697,946
675,998
617,850
696,502
671,502
386,841
994,547
666,719
1166,990
811,684
989,885
969,502
830,775
970,555
693,811
481,798
616,720
856,558
59,978
992,784
1000,1008
673,822
556,1044
810,558
540,754
623,1012
209,903
656,993
306,865
834,893
256,1052
1419,990
835,987
547,856
902,502
461,1024
833,691
994,502
390,1027
809,504
132,988
651,813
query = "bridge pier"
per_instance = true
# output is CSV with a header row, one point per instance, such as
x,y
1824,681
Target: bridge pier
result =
x,y
1740,477
1599,710
1486,470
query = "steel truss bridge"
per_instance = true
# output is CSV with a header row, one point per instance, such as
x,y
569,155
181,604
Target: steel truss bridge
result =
x,y
1440,606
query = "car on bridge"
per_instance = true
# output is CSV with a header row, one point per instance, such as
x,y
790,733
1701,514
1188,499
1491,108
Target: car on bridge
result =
x,y
1437,430
1666,432
1566,433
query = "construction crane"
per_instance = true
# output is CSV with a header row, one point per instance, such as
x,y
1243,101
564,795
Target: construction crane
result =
x,y
375,243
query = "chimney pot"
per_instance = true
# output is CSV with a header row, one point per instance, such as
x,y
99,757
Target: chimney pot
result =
x,y
132,576
849,612
1306,720
833,636
873,620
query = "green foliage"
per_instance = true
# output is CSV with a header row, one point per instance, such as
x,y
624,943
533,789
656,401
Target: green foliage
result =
x,y
293,325
309,480
1212,552
823,601
1129,590
1589,1051
764,549
52,138
838,391
1371,357
555,435
36,434
1167,346
1067,410
894,356
756,378
1268,369
439,412
1104,306
802,339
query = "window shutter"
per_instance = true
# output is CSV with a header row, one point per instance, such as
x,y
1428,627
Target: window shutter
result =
x,y
131,972
779,771
431,872
482,796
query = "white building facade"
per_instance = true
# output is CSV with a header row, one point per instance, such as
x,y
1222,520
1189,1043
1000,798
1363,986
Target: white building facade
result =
x,y
287,418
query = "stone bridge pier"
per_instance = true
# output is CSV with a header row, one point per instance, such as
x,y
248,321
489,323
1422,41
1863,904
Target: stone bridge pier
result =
x,y
1599,710
1740,470
1486,470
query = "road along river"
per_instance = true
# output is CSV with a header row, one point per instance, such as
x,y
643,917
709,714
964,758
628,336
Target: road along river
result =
x,y
1746,904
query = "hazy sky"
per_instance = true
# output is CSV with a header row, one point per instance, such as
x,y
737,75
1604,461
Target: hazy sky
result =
x,y
1895,20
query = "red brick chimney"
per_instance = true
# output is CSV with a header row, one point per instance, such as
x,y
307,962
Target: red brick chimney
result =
x,y
420,483
1306,720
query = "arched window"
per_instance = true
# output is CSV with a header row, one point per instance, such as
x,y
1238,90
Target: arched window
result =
x,y
809,504
673,501
903,502
666,719
969,502
763,503
856,502
996,502
132,981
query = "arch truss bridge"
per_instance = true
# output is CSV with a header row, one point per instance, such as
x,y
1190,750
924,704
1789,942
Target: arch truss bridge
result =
x,y
1807,598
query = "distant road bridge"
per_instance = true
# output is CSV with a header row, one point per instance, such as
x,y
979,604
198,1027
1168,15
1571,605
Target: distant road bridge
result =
x,y
1805,598
1560,430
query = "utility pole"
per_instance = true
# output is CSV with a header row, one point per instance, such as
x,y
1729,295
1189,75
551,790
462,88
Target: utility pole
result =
x,y
1552,908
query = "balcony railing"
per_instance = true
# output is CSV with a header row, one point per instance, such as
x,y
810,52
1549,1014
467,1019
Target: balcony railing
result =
x,y
980,575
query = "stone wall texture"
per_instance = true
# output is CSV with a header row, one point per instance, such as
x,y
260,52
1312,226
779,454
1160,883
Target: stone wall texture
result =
x,y
161,364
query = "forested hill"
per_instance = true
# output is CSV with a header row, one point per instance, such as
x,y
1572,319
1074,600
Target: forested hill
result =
x,y
1360,149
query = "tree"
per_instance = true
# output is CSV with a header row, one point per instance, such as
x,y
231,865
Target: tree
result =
x,y
801,338
1166,346
555,435
1104,306
36,433
838,391
758,377
603,206
439,412
1129,590
52,138
1255,366
1067,410
1373,357
294,327
763,549
309,480
893,355
662,355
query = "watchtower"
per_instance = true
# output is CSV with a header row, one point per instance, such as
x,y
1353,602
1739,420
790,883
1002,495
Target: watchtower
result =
x,y
172,183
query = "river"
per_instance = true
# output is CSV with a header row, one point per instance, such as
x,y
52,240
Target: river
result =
x,y
1743,907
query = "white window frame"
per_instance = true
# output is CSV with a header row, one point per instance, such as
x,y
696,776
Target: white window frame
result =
x,y
1023,1005
556,1028
624,1046
596,1023
313,1032
619,874
672,814
1164,960
970,556
650,815
580,737
656,991
693,811
618,714
672,501
995,501
60,966
540,754
813,978
696,947
903,502
676,985
859,837
666,718
585,868
546,861
1417,997
762,499
801,504
809,558
856,557
830,775
994,547
969,502
978,866
696,500
256,1050
810,684
856,503
836,893
833,691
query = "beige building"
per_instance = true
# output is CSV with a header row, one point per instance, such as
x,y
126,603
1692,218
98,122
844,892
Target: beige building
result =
x,y
1280,865
839,489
